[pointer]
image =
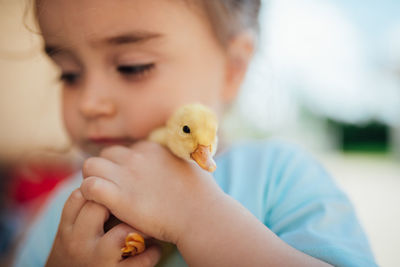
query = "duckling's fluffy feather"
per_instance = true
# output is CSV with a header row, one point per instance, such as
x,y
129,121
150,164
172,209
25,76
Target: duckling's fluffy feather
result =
x,y
203,125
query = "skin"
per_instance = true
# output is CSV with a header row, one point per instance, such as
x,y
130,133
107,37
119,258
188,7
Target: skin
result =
x,y
109,107
81,241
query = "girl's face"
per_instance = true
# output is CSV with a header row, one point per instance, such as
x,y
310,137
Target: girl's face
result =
x,y
127,64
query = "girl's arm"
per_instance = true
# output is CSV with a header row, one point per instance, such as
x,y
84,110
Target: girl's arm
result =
x,y
172,200
227,234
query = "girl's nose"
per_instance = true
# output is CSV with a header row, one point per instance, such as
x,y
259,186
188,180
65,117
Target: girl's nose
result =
x,y
96,102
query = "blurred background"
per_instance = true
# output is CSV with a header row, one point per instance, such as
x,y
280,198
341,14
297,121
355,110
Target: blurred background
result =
x,y
326,76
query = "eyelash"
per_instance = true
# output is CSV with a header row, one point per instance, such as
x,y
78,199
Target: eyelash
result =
x,y
70,78
135,70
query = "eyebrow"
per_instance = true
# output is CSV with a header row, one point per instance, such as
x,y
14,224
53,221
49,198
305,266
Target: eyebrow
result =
x,y
121,39
134,37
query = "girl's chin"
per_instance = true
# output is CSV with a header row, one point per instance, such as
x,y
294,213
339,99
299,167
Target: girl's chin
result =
x,y
90,151
94,150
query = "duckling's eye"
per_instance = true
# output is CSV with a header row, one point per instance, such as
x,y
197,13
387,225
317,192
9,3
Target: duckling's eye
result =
x,y
186,129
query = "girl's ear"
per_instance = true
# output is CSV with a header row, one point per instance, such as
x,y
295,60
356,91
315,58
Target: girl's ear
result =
x,y
239,54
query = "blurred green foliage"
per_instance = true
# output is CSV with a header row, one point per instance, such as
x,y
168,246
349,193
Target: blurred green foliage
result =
x,y
371,137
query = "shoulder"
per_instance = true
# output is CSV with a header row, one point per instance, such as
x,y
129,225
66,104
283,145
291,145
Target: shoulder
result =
x,y
282,173
264,173
271,159
292,194
264,150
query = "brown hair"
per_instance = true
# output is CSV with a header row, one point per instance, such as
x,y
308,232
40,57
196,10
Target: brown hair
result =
x,y
227,17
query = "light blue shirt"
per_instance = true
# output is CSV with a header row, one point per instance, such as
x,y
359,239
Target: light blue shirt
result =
x,y
281,185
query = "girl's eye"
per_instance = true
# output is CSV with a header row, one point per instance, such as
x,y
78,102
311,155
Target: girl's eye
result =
x,y
69,78
135,70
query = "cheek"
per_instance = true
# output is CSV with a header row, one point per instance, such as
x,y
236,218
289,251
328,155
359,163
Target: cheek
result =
x,y
70,118
205,84
179,84
205,92
191,87
142,114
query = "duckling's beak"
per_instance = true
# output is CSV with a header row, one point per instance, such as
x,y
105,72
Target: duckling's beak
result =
x,y
202,155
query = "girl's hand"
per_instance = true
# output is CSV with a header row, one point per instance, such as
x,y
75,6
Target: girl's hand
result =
x,y
149,188
81,241
178,202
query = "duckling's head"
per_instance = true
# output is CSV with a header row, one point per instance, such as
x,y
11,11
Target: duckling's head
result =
x,y
192,134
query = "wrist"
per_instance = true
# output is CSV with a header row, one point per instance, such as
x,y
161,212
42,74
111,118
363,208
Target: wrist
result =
x,y
203,218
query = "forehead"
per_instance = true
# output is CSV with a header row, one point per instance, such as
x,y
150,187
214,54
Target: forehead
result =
x,y
94,19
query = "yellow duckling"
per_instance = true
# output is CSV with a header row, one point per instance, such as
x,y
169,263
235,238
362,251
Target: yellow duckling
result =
x,y
191,133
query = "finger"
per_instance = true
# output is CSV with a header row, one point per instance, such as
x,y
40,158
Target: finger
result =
x,y
114,240
101,191
90,221
100,167
116,154
72,208
149,258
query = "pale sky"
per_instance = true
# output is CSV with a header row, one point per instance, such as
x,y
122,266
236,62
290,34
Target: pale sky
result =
x,y
335,57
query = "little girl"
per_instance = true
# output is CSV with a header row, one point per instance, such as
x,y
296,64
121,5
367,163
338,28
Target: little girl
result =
x,y
126,65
